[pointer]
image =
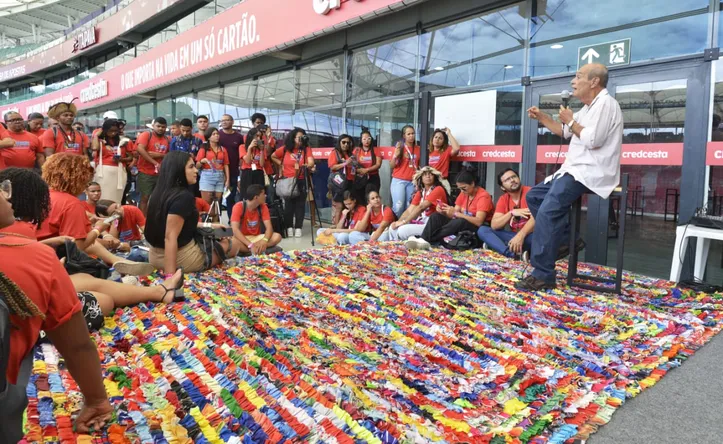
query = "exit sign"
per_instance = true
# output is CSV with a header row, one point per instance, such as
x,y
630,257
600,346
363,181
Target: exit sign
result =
x,y
610,54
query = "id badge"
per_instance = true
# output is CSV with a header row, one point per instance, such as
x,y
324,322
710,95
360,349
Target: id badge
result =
x,y
253,167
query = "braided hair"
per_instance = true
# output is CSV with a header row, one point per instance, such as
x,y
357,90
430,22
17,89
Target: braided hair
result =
x,y
31,202
20,304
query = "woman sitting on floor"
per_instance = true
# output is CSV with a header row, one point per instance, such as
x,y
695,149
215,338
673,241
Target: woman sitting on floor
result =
x,y
67,176
100,297
472,209
41,297
172,222
352,219
424,203
377,218
251,222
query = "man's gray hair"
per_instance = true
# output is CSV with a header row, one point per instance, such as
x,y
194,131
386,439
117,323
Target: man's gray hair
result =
x,y
599,71
6,116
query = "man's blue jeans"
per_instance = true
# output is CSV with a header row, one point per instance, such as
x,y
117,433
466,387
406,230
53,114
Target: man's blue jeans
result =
x,y
550,205
497,240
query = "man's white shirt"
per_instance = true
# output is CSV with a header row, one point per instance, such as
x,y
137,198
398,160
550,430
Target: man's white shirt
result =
x,y
593,159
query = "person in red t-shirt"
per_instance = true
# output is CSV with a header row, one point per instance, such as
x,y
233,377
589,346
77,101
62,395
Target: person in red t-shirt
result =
x,y
42,297
253,159
290,159
131,223
340,159
442,148
212,163
110,157
251,222
259,122
203,208
472,209
63,138
511,211
370,160
377,218
27,152
152,147
412,222
352,219
35,124
92,196
404,163
202,124
67,176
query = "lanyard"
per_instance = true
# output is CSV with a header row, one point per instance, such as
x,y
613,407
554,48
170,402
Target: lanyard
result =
x,y
411,157
66,137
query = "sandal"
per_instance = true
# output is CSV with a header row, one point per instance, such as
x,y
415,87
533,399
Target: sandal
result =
x,y
178,294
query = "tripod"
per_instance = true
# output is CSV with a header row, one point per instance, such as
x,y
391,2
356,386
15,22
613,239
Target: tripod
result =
x,y
309,188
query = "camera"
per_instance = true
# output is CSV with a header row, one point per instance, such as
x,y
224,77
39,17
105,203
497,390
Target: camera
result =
x,y
263,127
304,140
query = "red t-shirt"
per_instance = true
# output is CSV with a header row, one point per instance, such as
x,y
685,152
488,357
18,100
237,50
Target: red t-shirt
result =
x,y
482,201
202,206
217,159
23,229
108,153
242,151
250,225
407,166
67,218
505,205
269,164
437,193
35,269
89,207
440,161
38,132
365,159
73,142
200,136
384,215
23,154
289,160
333,161
128,226
357,216
153,144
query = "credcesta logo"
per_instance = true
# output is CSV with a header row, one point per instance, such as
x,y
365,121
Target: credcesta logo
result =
x,y
322,7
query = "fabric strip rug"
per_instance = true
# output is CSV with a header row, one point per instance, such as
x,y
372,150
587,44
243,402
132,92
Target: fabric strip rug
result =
x,y
373,344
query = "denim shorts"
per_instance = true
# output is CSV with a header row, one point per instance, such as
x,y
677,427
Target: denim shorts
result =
x,y
212,180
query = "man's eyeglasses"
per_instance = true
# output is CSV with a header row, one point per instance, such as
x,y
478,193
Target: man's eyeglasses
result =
x,y
14,120
6,188
345,142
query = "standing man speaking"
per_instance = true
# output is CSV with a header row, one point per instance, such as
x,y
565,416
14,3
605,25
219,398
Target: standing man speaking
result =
x,y
592,164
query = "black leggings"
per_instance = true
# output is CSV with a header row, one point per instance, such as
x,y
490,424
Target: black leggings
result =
x,y
440,226
294,208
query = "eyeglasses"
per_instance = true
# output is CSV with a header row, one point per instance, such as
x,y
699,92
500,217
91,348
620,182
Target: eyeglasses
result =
x,y
14,120
345,142
6,188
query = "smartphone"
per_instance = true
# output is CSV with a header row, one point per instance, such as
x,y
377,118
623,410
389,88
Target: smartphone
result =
x,y
226,193
111,219
439,203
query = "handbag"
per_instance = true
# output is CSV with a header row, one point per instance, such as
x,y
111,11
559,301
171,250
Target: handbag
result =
x,y
464,240
77,261
337,181
286,187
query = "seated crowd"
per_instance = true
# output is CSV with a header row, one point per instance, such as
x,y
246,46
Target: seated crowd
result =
x,y
65,205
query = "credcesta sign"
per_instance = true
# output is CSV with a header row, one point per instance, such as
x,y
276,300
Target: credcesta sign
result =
x,y
666,154
322,7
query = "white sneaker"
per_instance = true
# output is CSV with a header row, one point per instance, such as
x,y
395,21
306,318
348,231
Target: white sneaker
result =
x,y
130,280
417,243
484,246
298,233
526,257
289,232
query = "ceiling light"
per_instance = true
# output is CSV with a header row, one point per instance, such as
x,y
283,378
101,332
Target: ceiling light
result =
x,y
272,98
556,46
332,94
439,68
509,66
319,90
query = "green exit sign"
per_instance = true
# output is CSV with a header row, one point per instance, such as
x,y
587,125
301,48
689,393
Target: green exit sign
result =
x,y
610,54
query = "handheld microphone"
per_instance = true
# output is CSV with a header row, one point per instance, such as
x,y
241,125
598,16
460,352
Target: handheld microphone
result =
x,y
565,95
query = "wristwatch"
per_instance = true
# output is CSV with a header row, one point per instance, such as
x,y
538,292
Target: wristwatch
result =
x,y
571,124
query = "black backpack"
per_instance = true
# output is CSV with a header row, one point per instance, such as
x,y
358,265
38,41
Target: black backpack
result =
x,y
77,261
337,179
462,241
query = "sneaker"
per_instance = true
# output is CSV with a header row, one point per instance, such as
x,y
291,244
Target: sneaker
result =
x,y
130,280
297,232
531,283
564,250
133,268
289,232
416,243
525,257
484,246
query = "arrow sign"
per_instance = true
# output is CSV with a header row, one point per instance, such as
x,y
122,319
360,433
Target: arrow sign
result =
x,y
609,54
590,55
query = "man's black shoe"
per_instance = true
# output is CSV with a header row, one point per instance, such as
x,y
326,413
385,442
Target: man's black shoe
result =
x,y
531,283
564,250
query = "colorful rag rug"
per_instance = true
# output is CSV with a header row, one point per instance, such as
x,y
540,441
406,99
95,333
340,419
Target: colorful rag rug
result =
x,y
375,345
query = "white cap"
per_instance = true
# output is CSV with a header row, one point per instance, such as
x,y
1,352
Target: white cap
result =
x,y
110,115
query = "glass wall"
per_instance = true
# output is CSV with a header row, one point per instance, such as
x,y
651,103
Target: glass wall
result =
x,y
385,70
186,108
320,84
146,114
210,104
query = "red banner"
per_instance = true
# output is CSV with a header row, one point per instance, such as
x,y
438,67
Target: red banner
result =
x,y
469,153
714,154
632,154
246,30
123,21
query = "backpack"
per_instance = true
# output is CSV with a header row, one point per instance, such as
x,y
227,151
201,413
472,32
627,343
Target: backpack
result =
x,y
462,241
337,179
261,219
77,261
360,182
5,328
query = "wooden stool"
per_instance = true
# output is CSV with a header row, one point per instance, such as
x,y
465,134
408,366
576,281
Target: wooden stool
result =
x,y
575,215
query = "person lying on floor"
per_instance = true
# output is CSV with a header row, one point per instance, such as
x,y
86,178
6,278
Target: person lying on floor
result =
x,y
67,175
472,209
377,218
172,222
31,205
251,222
130,224
512,212
430,193
352,219
41,296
